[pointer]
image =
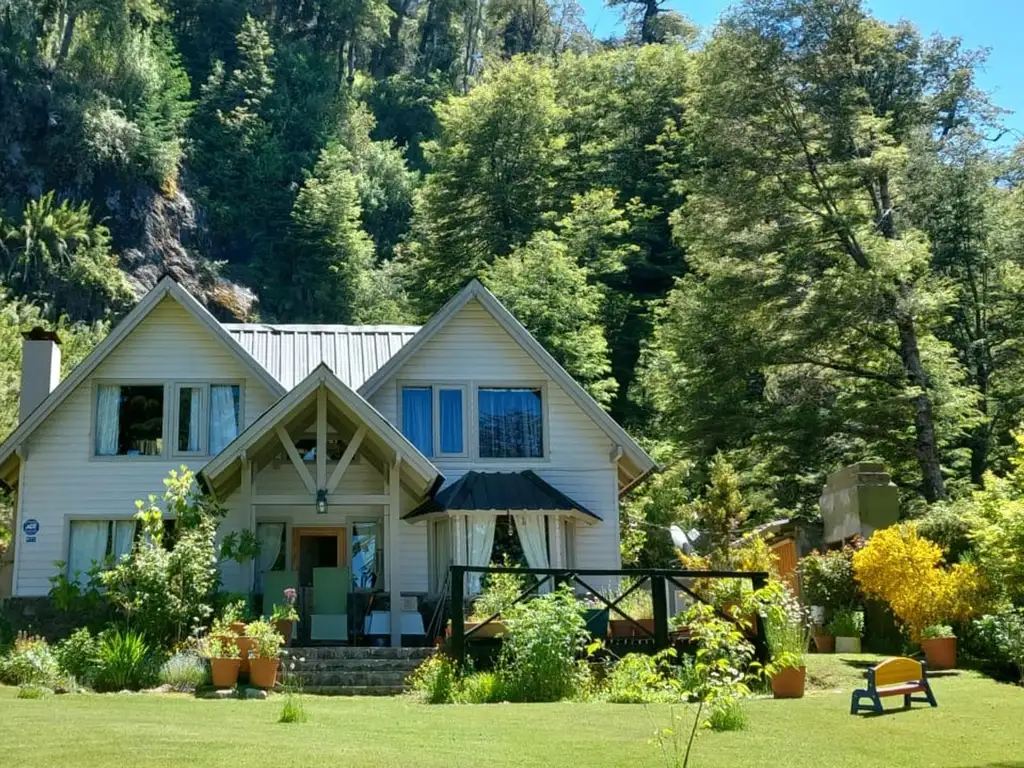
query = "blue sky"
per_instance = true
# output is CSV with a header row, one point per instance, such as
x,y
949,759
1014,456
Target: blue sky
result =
x,y
993,24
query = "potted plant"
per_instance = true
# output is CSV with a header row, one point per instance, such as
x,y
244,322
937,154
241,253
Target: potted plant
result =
x,y
266,653
939,645
847,627
284,616
234,616
220,650
788,632
829,586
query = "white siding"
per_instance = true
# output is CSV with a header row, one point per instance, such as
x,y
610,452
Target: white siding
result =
x,y
473,349
62,480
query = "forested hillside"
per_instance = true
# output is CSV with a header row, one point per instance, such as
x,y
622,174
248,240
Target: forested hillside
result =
x,y
796,239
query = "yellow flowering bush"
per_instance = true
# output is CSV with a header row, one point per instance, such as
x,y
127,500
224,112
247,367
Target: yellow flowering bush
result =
x,y
905,570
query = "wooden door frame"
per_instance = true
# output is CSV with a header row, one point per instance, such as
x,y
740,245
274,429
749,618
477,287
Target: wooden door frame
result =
x,y
341,531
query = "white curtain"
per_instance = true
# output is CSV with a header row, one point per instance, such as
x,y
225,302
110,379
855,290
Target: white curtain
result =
x,y
195,419
269,536
124,536
87,545
223,416
480,542
533,537
442,552
108,416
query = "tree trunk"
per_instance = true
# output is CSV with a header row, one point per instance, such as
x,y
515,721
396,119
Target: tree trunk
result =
x,y
66,37
981,435
647,25
932,483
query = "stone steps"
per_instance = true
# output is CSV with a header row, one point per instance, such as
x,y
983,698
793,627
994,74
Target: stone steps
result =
x,y
359,690
348,671
350,679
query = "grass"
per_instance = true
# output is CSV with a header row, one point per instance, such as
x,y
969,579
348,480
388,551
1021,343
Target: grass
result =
x,y
977,723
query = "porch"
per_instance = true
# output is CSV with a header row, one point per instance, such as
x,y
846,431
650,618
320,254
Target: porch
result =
x,y
317,486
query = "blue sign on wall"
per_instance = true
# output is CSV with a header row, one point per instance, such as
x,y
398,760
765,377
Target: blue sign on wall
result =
x,y
30,528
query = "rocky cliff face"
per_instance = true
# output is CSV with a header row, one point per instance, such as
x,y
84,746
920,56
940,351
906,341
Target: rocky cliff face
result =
x,y
161,235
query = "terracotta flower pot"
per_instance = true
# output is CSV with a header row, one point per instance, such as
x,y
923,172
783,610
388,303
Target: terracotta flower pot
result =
x,y
224,672
238,627
283,627
847,645
788,683
940,652
244,645
263,672
825,643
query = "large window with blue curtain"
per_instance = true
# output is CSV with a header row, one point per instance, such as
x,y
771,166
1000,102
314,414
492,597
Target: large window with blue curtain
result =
x,y
418,418
433,419
510,423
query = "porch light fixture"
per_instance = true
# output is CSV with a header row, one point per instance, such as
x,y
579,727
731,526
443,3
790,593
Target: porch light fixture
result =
x,y
321,501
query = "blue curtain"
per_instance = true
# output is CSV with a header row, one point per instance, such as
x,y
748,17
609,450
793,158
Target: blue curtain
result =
x,y
510,424
418,418
450,407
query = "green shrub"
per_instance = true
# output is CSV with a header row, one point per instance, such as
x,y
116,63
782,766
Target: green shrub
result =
x,y
124,662
436,680
30,662
184,671
294,710
727,714
847,624
543,644
479,688
1001,638
33,691
167,593
828,581
949,526
641,679
79,655
500,591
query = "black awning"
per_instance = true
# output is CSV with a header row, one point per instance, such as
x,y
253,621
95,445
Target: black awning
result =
x,y
499,492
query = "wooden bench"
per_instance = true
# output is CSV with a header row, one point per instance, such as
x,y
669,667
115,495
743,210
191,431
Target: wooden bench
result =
x,y
894,677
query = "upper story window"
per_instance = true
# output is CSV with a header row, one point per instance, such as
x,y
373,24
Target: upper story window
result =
x,y
433,419
204,418
130,420
208,417
511,423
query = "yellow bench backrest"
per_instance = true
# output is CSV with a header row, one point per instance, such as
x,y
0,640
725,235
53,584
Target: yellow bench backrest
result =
x,y
899,670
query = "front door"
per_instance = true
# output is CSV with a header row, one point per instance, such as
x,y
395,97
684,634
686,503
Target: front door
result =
x,y
314,548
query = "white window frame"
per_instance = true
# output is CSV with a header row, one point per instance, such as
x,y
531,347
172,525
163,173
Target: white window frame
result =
x,y
435,388
545,421
168,418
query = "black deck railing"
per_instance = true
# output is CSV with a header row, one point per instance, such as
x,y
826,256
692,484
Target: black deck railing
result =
x,y
659,580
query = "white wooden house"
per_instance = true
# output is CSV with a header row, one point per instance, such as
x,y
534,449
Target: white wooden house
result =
x,y
338,446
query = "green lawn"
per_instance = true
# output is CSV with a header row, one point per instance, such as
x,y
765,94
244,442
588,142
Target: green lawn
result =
x,y
978,723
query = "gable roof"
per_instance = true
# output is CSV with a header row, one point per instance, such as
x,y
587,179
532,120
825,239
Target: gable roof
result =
x,y
290,352
167,287
500,492
641,462
427,475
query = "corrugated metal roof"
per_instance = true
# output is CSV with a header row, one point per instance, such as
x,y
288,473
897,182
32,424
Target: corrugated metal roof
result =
x,y
291,352
500,492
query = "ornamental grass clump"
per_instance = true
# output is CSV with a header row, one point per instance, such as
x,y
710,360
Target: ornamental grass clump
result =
x,y
905,570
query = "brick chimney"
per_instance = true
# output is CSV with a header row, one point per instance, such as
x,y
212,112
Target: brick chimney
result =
x,y
40,368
